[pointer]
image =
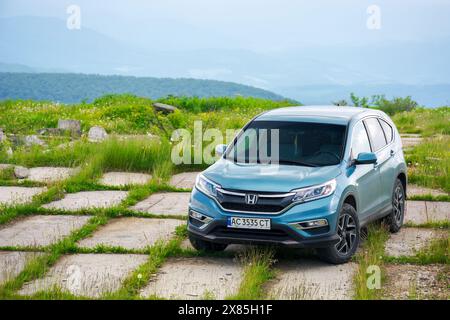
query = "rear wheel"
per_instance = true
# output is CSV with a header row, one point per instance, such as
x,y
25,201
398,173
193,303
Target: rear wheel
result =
x,y
202,245
348,232
395,218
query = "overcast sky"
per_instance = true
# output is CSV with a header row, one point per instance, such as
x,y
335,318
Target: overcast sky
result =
x,y
260,25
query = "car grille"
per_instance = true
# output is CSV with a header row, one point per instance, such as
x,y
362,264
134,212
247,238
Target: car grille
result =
x,y
276,203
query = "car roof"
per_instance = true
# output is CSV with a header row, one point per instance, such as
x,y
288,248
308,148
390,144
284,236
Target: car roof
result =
x,y
321,114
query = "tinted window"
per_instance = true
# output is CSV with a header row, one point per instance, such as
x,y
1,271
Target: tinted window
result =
x,y
387,130
297,143
360,140
376,133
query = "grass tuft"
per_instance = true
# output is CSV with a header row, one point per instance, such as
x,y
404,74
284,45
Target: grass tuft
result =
x,y
257,263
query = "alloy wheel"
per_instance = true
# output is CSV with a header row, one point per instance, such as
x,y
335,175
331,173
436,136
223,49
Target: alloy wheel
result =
x,y
347,234
398,203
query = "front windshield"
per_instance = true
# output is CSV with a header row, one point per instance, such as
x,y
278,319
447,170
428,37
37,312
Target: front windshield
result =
x,y
290,143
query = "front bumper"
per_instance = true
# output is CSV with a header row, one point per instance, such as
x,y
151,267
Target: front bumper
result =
x,y
281,233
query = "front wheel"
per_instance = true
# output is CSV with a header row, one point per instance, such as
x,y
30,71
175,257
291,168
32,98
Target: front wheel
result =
x,y
349,232
202,245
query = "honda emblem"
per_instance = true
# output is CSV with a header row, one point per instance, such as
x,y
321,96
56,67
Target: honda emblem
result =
x,y
251,199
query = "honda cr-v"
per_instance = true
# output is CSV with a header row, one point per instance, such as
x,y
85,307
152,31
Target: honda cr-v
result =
x,y
302,177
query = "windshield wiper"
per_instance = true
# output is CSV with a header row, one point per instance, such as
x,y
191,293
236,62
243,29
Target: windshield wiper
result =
x,y
298,163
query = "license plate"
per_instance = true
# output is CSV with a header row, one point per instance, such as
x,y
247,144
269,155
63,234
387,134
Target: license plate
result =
x,y
248,223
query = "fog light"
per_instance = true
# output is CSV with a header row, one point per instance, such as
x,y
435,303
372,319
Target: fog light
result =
x,y
310,224
204,220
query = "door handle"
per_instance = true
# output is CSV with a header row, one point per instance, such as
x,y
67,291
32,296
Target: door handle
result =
x,y
392,153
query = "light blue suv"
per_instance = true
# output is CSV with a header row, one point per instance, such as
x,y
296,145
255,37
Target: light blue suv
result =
x,y
336,170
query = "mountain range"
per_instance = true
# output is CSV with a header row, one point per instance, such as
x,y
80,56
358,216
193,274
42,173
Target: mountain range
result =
x,y
308,74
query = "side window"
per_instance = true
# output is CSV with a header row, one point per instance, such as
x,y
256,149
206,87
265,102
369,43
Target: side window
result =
x,y
387,130
376,133
360,141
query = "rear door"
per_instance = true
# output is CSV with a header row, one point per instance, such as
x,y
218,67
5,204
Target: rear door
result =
x,y
380,148
387,170
366,176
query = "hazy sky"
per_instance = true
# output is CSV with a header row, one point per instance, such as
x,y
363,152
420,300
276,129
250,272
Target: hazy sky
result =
x,y
261,25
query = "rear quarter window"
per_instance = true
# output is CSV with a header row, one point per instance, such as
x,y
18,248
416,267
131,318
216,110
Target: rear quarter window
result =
x,y
376,133
387,130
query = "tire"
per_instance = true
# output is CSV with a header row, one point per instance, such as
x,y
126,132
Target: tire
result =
x,y
349,232
395,219
202,245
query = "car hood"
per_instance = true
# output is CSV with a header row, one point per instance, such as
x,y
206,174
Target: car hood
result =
x,y
268,178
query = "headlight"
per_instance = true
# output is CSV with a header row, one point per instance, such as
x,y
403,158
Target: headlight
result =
x,y
315,192
206,186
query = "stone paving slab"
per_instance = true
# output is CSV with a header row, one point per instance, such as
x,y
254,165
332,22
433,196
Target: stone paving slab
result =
x,y
411,141
120,179
420,212
49,174
409,240
312,279
89,275
18,195
88,200
414,190
4,166
407,281
39,230
167,203
132,233
232,248
13,262
185,180
195,278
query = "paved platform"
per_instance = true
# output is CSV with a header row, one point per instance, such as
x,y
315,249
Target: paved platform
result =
x,y
312,279
167,203
13,262
132,233
39,230
185,180
410,282
120,179
88,200
18,195
409,240
195,278
88,275
49,174
420,212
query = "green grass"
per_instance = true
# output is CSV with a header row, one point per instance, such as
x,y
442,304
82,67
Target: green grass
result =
x,y
427,122
429,197
257,262
437,252
371,254
429,163
7,174
432,224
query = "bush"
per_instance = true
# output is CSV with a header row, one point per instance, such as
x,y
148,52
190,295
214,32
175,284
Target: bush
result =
x,y
395,105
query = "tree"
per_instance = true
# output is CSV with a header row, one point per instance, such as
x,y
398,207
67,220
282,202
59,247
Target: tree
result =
x,y
359,102
341,103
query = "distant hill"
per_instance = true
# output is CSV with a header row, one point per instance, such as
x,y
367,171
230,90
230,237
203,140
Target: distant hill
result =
x,y
72,88
435,95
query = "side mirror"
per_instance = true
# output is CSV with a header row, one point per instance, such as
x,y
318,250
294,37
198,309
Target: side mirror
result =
x,y
220,149
366,158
